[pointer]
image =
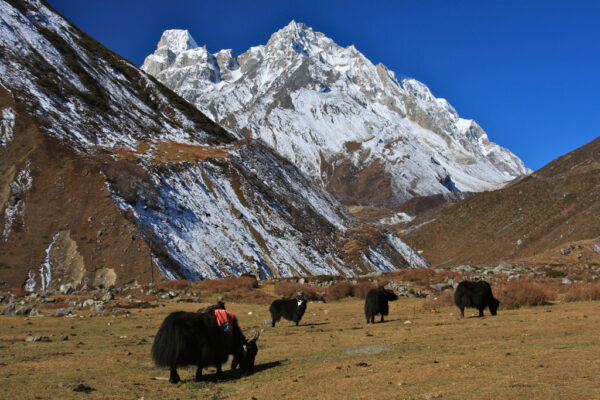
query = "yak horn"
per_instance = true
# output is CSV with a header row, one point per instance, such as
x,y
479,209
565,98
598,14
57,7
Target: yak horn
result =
x,y
255,336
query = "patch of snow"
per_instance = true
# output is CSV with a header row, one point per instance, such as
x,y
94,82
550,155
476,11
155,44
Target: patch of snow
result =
x,y
46,267
7,126
396,219
15,207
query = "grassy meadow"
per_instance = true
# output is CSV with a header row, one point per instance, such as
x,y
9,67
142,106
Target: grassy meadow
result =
x,y
544,352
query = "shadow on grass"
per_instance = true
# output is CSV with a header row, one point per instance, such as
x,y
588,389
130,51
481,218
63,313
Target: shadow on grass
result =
x,y
315,324
232,375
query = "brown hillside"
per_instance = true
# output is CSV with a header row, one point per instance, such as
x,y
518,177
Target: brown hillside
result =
x,y
551,216
68,203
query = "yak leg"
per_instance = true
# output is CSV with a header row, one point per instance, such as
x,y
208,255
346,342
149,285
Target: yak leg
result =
x,y
235,362
382,318
199,373
174,376
462,312
481,312
219,372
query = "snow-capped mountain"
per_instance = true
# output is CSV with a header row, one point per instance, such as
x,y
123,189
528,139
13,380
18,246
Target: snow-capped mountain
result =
x,y
342,120
106,176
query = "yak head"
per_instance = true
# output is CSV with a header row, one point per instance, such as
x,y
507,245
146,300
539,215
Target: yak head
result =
x,y
494,303
250,351
389,294
301,304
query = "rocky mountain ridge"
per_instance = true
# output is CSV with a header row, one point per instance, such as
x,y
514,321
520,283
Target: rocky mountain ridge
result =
x,y
349,124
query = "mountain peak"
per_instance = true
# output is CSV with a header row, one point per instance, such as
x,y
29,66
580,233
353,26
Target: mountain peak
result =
x,y
299,37
177,40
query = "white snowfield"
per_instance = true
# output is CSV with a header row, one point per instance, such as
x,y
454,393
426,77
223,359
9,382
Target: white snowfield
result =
x,y
307,97
250,211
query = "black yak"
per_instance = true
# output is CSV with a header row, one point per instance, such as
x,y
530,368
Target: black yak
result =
x,y
477,294
188,338
290,309
377,303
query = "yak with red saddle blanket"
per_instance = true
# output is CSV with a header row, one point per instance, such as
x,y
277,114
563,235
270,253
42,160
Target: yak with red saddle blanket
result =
x,y
204,340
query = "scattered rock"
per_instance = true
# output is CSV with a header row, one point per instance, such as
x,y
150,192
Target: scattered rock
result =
x,y
440,287
88,303
566,281
108,296
62,312
33,339
464,268
25,310
504,267
8,309
66,288
64,337
49,300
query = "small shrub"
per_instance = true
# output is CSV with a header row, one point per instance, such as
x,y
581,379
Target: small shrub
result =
x,y
340,290
245,295
583,292
227,284
523,292
362,288
420,276
290,290
552,273
181,284
347,289
325,278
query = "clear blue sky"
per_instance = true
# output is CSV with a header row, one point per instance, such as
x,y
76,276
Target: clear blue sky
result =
x,y
527,71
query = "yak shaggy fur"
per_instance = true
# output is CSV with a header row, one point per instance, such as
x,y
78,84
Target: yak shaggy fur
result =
x,y
188,338
290,309
475,294
376,302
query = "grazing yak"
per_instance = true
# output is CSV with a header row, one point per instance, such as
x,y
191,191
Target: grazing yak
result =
x,y
290,309
188,338
475,294
377,303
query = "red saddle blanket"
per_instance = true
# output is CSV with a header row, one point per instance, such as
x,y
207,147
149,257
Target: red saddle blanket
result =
x,y
225,320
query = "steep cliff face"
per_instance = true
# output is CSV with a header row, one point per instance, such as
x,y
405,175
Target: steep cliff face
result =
x,y
107,176
339,118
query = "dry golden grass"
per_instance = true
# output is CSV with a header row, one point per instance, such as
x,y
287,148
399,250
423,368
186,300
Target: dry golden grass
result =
x,y
173,152
548,352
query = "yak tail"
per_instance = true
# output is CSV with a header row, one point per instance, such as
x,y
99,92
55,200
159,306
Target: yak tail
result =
x,y
169,342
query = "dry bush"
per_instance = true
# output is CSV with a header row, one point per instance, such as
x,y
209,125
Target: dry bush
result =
x,y
347,289
524,292
583,292
245,295
420,276
340,290
290,290
362,288
445,299
446,274
227,284
181,284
